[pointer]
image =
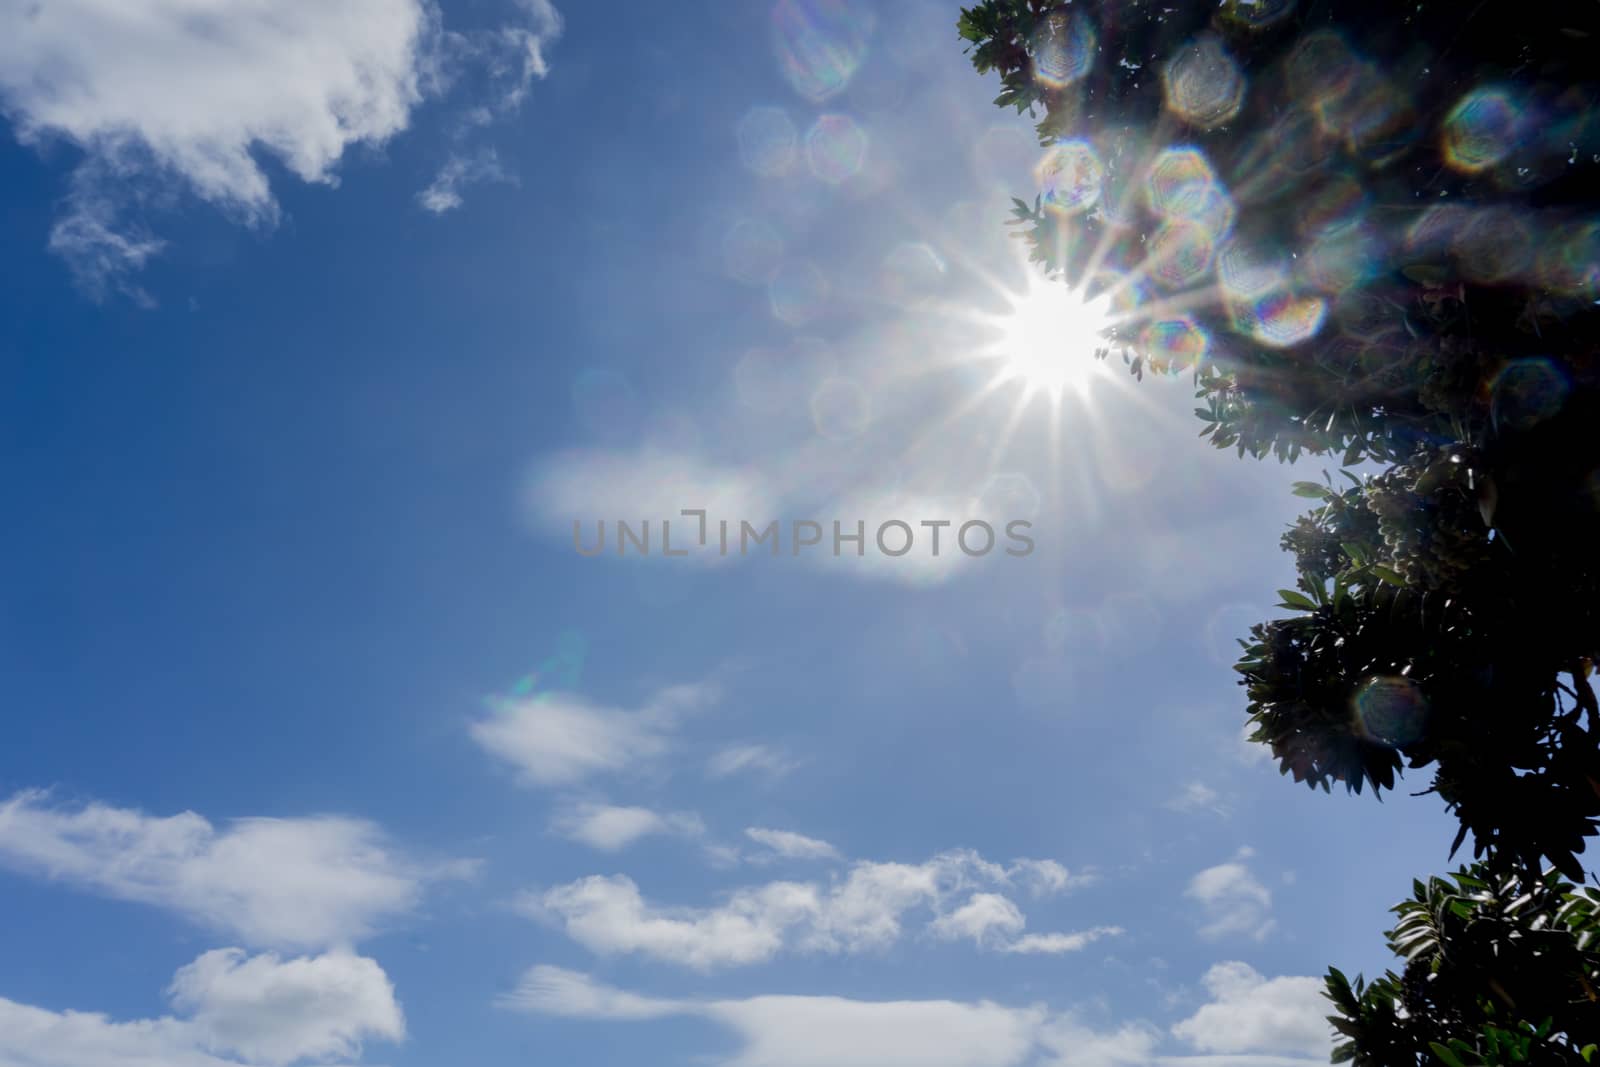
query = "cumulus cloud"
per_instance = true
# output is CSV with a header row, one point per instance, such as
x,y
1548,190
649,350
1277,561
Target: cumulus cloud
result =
x,y
791,845
1236,904
193,94
865,909
1252,1014
561,738
302,883
610,916
235,1010
277,1011
609,828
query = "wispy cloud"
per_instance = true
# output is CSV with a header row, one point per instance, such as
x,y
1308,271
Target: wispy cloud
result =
x,y
1197,796
1056,944
791,845
443,194
749,759
303,883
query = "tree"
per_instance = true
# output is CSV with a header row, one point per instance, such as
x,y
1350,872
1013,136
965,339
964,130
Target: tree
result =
x,y
1496,972
1370,233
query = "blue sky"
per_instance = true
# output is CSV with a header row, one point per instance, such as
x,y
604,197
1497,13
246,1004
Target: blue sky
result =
x,y
324,744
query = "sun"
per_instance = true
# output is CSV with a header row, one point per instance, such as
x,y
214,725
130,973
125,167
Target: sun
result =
x,y
1049,337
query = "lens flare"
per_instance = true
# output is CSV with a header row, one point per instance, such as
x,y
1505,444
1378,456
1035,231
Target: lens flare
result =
x,y
1064,50
836,148
798,292
1283,320
840,409
1256,14
1391,711
768,140
1181,186
1174,344
1527,392
820,44
1481,130
1070,177
1202,84
1180,255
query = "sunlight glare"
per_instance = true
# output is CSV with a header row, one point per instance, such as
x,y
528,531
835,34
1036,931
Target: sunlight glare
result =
x,y
1049,338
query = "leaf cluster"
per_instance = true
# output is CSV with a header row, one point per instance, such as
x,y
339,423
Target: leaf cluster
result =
x,y
1497,969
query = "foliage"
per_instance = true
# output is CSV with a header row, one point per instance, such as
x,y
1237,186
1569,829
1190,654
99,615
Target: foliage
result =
x,y
1496,971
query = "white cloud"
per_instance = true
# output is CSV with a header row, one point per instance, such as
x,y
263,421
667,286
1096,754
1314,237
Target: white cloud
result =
x,y
649,486
459,171
1252,1014
275,1011
570,494
749,759
933,554
560,738
264,1010
610,916
822,1031
814,1031
791,845
984,918
305,883
1235,902
193,94
1056,944
792,1031
990,920
1251,752
862,911
1197,796
570,995
779,1031
611,829
1045,878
